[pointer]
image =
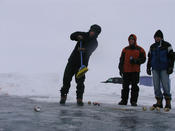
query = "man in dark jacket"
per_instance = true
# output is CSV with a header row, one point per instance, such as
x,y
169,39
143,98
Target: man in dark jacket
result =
x,y
131,58
89,44
161,62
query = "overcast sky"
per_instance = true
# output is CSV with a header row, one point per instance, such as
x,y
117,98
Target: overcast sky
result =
x,y
34,34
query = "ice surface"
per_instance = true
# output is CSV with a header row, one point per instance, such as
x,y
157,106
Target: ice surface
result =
x,y
20,116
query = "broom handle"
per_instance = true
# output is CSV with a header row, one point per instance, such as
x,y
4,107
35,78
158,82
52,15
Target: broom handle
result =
x,y
81,54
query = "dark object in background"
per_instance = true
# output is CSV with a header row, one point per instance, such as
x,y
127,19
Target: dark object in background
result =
x,y
144,80
115,80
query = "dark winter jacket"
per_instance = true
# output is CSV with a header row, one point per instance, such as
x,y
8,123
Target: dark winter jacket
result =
x,y
160,56
135,52
89,43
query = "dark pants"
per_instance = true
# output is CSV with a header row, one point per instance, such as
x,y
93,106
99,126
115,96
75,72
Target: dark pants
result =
x,y
131,78
71,70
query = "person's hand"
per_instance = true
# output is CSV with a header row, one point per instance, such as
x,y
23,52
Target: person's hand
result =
x,y
81,49
148,70
133,61
121,73
79,37
170,70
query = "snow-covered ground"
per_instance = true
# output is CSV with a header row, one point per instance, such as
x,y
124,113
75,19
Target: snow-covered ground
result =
x,y
46,86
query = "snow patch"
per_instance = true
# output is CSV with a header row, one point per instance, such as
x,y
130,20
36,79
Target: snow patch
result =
x,y
46,86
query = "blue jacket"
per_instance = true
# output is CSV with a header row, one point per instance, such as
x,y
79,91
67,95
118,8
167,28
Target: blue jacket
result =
x,y
160,56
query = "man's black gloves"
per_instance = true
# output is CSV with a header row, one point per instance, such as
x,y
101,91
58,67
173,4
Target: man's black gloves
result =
x,y
133,61
121,73
79,37
170,70
148,70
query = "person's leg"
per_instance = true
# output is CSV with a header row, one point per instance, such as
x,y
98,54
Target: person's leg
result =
x,y
80,89
166,87
125,89
165,83
157,88
67,78
156,82
135,88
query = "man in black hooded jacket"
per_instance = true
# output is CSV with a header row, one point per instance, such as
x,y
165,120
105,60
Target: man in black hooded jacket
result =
x,y
160,65
89,44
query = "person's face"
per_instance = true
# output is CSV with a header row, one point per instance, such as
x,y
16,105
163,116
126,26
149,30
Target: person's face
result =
x,y
131,41
158,39
91,33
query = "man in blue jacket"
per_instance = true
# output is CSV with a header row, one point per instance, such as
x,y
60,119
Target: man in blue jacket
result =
x,y
161,62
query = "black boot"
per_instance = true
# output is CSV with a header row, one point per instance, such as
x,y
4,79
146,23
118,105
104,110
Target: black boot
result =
x,y
159,103
168,102
133,103
123,102
63,99
80,102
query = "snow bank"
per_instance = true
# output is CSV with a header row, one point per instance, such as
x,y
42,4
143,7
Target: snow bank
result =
x,y
46,87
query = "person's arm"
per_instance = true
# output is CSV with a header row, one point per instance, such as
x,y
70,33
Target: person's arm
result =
x,y
171,56
170,60
149,60
148,70
174,56
77,36
141,59
121,63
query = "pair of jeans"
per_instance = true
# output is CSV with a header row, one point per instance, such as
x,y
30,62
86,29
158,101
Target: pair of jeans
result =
x,y
161,79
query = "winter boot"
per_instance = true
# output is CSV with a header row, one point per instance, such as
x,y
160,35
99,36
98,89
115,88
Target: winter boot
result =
x,y
159,103
168,103
80,102
133,103
123,102
63,99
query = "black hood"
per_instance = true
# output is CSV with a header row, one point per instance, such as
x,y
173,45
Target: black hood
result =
x,y
158,34
96,29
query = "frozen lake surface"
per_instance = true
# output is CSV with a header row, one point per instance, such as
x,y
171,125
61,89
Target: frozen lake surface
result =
x,y
17,114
